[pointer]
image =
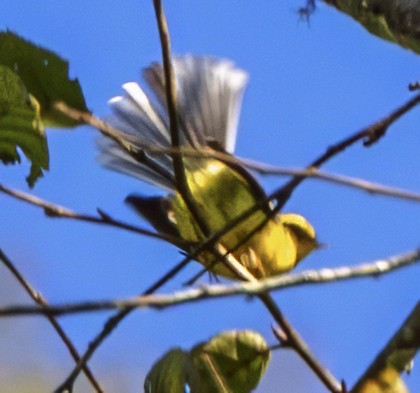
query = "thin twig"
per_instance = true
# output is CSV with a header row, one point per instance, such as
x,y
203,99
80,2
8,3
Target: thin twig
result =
x,y
112,323
53,210
264,169
261,168
309,277
179,169
171,100
44,306
295,341
370,135
180,179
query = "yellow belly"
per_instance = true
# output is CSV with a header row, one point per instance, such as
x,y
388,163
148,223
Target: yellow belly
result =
x,y
222,194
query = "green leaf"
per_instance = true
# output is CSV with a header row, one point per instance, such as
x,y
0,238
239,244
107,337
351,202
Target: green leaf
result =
x,y
393,20
168,374
21,125
231,362
45,76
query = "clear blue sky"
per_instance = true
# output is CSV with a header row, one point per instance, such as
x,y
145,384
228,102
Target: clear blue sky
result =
x,y
309,87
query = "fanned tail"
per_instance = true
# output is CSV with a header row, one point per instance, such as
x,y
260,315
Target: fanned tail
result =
x,y
209,94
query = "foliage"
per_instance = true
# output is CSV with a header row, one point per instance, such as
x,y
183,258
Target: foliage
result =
x,y
21,125
230,362
32,79
397,21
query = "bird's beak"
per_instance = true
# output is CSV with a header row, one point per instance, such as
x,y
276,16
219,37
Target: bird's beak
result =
x,y
321,246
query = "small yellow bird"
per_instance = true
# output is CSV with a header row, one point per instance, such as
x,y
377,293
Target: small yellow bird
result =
x,y
209,94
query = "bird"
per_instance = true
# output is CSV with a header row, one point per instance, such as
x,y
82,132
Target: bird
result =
x,y
209,93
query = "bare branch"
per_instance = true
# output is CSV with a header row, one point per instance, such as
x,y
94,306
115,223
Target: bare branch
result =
x,y
353,182
185,192
375,268
53,210
296,342
180,180
261,168
42,302
171,100
309,277
369,135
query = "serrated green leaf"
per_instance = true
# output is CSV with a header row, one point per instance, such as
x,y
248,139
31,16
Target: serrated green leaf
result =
x,y
231,362
21,125
45,76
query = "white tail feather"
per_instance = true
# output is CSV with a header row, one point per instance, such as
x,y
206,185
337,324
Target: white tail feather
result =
x,y
209,95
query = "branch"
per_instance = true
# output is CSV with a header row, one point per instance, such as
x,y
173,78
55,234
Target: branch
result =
x,y
181,181
42,302
261,168
185,192
181,186
348,181
309,277
370,135
171,98
257,287
53,210
296,342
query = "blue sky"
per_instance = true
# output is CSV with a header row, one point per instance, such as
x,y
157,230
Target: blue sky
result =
x,y
309,87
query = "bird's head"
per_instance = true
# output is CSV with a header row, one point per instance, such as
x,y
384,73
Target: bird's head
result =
x,y
303,233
